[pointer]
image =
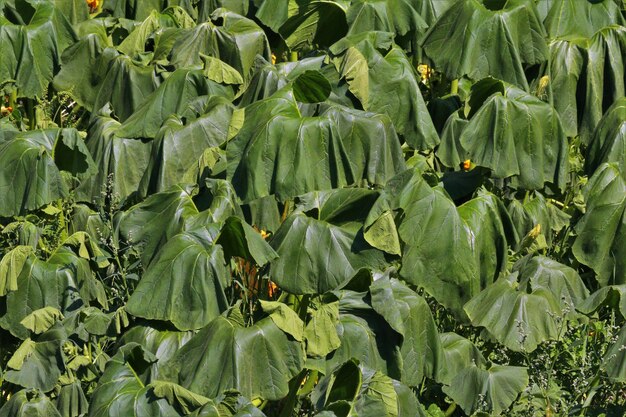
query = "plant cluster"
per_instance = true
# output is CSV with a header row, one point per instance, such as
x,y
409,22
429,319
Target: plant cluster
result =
x,y
312,208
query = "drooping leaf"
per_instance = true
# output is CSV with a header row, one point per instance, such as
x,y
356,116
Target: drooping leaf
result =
x,y
614,361
31,48
380,75
123,388
258,361
315,256
41,319
229,37
309,27
497,386
518,319
38,363
460,353
40,284
613,296
563,281
321,330
278,151
608,143
29,403
238,238
178,396
570,18
11,267
515,135
586,76
72,401
505,36
184,284
173,96
601,230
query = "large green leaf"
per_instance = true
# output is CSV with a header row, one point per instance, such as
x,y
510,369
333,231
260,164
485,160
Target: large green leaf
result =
x,y
586,76
437,253
38,363
162,341
460,353
515,135
258,361
614,361
184,139
505,36
366,336
608,143
173,96
278,151
311,26
121,162
184,284
602,229
316,256
518,319
27,163
357,390
232,38
40,284
563,281
409,314
31,42
569,18
492,233
401,17
11,267
29,403
123,387
381,76
492,390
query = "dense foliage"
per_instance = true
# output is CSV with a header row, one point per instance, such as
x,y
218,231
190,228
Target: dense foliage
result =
x,y
321,208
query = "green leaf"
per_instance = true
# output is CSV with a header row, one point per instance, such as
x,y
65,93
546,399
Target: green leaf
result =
x,y
278,151
231,38
173,96
612,295
41,284
321,330
178,396
563,281
220,72
460,354
258,361
608,144
284,318
498,387
312,26
585,78
614,360
409,314
569,18
383,234
184,284
42,319
11,267
517,319
38,363
311,87
31,48
601,229
123,388
31,403
383,79
315,256
503,38
515,135
72,401
238,238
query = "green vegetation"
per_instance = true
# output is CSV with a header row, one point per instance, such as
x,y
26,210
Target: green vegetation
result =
x,y
299,208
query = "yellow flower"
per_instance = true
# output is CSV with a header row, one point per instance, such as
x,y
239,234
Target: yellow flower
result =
x,y
273,58
467,164
93,5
